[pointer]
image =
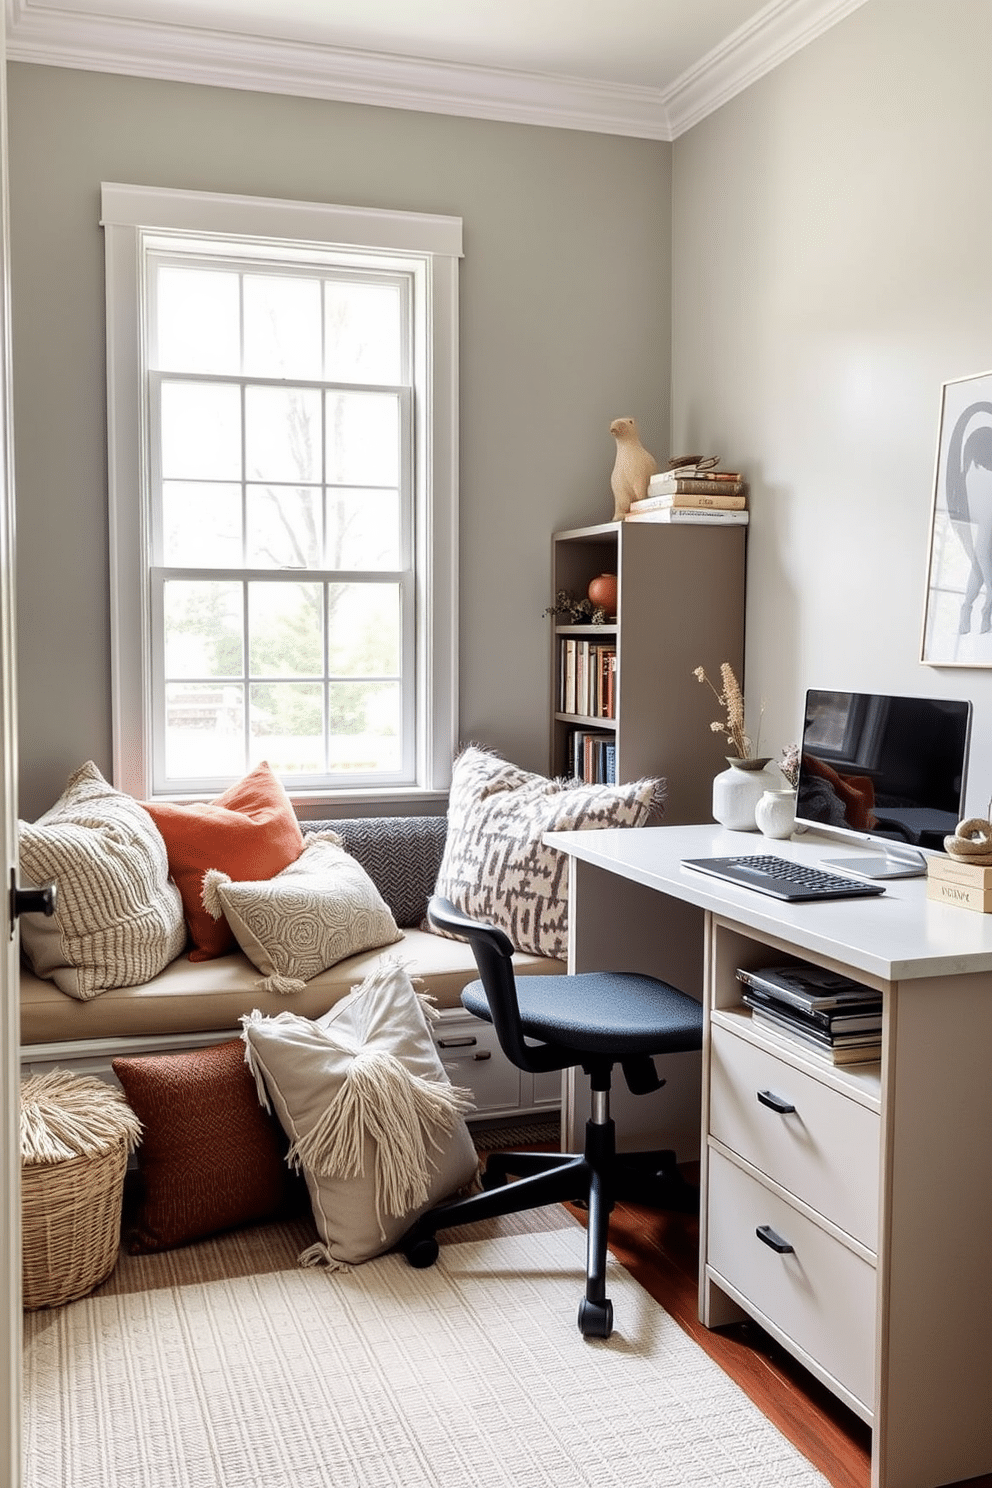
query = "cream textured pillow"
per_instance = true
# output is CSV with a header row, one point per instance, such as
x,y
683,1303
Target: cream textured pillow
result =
x,y
320,909
372,1118
495,865
118,919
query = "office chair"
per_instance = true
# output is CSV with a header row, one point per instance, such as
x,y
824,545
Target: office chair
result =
x,y
594,1020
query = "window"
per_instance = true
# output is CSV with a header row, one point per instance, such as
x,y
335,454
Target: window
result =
x,y
282,416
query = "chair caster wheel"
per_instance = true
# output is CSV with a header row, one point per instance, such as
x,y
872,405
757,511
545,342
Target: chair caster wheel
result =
x,y
422,1253
595,1318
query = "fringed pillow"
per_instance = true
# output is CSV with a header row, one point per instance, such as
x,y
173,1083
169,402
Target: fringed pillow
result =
x,y
496,866
372,1119
313,914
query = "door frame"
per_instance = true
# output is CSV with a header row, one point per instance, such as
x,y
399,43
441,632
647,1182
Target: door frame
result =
x,y
10,1146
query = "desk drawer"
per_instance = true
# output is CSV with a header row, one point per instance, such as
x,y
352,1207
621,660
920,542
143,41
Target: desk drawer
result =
x,y
472,1057
825,1151
821,1295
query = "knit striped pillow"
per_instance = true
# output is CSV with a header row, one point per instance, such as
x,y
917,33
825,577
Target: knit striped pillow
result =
x,y
119,918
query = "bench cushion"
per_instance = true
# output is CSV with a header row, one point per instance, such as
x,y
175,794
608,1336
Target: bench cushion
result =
x,y
210,996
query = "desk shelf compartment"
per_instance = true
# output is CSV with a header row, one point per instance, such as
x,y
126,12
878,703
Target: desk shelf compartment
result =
x,y
732,949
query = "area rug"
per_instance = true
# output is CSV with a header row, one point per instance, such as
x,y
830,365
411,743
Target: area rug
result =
x,y
471,1374
496,1136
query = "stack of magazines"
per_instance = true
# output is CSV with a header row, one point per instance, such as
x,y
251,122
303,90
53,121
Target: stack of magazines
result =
x,y
833,1017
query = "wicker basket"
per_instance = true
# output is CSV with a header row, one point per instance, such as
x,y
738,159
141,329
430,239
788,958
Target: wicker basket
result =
x,y
76,1133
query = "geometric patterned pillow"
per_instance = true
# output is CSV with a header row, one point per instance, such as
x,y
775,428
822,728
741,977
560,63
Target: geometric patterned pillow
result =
x,y
118,918
319,910
495,865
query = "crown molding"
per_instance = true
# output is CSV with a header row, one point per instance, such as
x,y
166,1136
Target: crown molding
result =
x,y
54,37
747,54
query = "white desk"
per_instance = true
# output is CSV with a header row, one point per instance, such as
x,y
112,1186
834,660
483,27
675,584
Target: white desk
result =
x,y
881,1178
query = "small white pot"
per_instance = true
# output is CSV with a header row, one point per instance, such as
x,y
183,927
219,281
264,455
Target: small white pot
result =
x,y
775,813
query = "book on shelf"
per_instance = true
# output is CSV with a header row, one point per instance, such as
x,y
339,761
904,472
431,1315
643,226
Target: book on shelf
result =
x,y
870,1038
582,677
690,485
958,870
961,895
716,499
594,757
587,678
822,1053
865,1018
805,986
696,472
567,679
711,515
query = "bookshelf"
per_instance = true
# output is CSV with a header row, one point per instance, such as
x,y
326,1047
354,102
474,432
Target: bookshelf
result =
x,y
680,605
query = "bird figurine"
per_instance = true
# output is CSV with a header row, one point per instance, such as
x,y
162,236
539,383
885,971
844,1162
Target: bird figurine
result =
x,y
632,469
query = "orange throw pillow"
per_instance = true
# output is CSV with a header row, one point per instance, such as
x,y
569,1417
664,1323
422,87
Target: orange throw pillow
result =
x,y
249,832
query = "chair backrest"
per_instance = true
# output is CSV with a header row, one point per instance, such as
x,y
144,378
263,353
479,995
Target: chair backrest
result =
x,y
493,952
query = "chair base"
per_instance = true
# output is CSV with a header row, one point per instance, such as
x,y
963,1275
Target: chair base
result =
x,y
596,1179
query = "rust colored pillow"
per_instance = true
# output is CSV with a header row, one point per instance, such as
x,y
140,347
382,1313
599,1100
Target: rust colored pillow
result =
x,y
249,832
210,1157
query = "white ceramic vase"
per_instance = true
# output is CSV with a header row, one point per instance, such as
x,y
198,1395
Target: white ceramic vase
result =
x,y
736,793
775,813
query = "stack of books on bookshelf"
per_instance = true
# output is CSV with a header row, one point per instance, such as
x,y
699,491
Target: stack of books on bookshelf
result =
x,y
587,673
594,757
691,494
834,1018
954,881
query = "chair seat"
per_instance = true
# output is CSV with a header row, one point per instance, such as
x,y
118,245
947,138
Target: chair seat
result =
x,y
602,1012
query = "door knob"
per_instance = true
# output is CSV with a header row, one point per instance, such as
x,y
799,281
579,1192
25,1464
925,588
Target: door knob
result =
x,y
31,901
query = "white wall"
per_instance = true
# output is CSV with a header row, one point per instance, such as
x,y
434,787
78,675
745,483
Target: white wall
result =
x,y
831,268
565,306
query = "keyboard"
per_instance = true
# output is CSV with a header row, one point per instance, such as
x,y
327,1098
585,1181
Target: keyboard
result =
x,y
782,878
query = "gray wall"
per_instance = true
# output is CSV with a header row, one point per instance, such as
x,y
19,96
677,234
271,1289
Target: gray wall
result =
x,y
831,269
565,324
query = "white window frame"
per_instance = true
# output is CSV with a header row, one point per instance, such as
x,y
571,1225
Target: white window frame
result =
x,y
135,219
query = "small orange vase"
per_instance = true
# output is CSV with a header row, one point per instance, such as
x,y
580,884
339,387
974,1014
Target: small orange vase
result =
x,y
603,593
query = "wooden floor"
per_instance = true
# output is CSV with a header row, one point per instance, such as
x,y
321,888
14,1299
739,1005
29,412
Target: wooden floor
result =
x,y
661,1251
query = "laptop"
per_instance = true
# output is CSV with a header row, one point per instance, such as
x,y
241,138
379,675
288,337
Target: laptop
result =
x,y
783,879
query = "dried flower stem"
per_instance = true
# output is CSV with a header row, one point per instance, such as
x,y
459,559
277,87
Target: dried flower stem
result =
x,y
789,764
731,699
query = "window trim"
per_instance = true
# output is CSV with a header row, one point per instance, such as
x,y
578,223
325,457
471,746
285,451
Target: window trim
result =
x,y
129,216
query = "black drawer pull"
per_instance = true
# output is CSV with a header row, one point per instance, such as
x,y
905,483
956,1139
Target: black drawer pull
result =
x,y
483,1054
468,1042
775,1102
768,1237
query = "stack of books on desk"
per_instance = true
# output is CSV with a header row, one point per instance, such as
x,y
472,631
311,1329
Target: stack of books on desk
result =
x,y
688,494
833,1017
958,882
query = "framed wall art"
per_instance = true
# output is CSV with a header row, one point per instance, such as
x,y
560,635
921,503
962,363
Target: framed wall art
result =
x,y
957,622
